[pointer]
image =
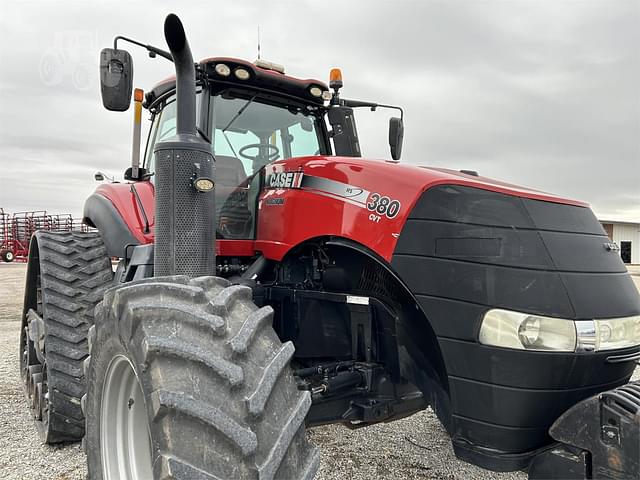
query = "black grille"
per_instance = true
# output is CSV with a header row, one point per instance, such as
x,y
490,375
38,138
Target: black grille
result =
x,y
378,282
184,231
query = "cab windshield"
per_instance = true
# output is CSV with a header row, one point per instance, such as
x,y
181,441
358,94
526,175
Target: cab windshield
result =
x,y
246,134
256,133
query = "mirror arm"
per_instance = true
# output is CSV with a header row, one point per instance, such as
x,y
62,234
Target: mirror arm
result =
x,y
394,107
371,105
153,51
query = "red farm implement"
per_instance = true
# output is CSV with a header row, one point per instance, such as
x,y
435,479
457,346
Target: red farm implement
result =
x,y
16,230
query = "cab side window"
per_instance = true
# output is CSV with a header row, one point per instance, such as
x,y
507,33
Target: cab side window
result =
x,y
151,140
303,138
164,126
167,124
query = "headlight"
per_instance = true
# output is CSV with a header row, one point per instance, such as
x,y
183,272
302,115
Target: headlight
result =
x,y
241,74
503,328
523,331
315,91
223,70
617,332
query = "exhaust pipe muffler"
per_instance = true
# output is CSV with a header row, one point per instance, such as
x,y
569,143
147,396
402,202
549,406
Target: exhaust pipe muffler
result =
x,y
184,215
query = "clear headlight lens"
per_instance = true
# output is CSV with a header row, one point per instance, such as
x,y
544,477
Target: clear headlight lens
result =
x,y
617,332
223,70
242,74
503,328
522,331
315,91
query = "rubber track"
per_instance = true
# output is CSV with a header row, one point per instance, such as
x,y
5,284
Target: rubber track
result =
x,y
75,271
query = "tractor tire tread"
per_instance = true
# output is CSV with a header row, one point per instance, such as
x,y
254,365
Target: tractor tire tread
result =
x,y
192,376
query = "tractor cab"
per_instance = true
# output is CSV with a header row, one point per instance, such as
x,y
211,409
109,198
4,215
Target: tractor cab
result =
x,y
253,114
249,125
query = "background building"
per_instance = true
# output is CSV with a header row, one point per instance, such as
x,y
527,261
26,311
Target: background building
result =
x,y
627,236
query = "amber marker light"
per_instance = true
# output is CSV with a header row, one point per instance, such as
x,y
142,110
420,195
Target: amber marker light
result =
x,y
335,78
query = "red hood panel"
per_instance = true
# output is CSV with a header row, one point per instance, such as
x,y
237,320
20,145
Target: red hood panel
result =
x,y
420,178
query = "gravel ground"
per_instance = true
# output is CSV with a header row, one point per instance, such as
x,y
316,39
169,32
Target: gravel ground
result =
x,y
22,456
414,448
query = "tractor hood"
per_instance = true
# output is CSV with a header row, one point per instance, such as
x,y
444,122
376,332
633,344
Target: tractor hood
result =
x,y
413,179
367,201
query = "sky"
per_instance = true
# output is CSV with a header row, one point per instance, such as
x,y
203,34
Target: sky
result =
x,y
539,93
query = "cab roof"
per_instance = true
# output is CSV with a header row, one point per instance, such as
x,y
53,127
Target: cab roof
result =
x,y
266,79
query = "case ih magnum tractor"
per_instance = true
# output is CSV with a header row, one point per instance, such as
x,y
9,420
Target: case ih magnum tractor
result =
x,y
270,279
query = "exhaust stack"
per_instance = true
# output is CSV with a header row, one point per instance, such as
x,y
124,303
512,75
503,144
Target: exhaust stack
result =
x,y
184,216
185,75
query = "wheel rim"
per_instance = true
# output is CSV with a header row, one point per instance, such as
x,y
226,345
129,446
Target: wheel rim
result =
x,y
125,442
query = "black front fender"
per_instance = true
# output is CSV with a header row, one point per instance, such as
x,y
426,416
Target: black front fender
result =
x,y
100,213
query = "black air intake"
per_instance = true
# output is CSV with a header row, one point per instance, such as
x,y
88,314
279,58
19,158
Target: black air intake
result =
x,y
185,217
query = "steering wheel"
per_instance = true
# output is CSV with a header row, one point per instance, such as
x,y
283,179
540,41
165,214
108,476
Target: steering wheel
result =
x,y
275,151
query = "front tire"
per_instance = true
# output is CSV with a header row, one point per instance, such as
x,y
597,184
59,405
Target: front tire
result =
x,y
218,398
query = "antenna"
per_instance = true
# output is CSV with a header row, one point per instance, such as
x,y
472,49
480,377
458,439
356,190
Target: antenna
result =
x,y
258,42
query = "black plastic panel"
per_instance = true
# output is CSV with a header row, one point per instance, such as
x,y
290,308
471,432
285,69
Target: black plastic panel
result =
x,y
562,218
452,318
574,252
514,407
477,243
496,447
458,204
532,291
100,212
532,370
545,250
329,338
602,295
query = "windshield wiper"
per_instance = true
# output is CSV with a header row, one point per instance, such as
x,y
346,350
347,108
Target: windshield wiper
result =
x,y
224,134
240,112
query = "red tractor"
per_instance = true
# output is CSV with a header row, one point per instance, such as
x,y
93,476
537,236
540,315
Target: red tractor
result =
x,y
271,279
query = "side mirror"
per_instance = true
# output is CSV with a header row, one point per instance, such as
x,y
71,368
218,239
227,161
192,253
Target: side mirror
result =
x,y
99,177
116,79
396,134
